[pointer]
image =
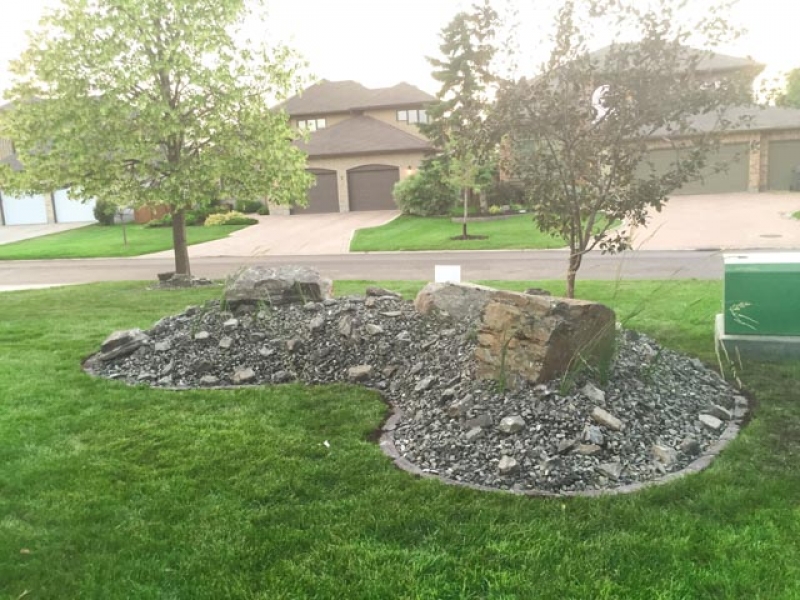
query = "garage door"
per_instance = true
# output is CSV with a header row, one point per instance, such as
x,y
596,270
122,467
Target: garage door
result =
x,y
783,157
734,179
323,196
72,211
371,187
24,210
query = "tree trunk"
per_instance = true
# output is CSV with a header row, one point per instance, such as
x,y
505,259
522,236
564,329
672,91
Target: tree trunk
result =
x,y
466,213
179,243
575,257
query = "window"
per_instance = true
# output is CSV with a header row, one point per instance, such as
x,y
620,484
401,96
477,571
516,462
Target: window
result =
x,y
311,124
412,116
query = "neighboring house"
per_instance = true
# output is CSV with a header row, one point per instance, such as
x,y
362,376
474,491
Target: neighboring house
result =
x,y
759,152
360,143
39,209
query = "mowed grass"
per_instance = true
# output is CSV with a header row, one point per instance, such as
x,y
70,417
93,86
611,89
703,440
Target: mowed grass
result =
x,y
96,241
434,233
113,492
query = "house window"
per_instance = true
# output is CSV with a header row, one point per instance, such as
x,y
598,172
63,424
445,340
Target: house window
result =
x,y
311,124
412,116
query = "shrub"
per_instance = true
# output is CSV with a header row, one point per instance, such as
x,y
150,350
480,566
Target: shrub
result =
x,y
264,210
105,212
229,218
494,209
248,206
504,193
426,192
165,221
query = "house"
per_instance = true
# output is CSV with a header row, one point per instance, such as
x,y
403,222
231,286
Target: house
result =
x,y
360,143
760,149
38,209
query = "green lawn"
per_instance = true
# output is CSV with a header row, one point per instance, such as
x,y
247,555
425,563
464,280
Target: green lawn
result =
x,y
434,233
96,241
113,492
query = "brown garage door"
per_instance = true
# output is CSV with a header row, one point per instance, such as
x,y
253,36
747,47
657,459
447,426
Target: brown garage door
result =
x,y
732,179
323,196
784,157
371,187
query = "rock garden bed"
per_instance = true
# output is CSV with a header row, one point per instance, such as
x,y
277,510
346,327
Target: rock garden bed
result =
x,y
652,413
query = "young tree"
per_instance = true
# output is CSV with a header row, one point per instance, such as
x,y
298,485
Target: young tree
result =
x,y
458,119
577,136
790,96
154,102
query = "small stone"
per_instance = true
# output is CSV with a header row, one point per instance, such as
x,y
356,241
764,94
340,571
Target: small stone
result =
x,y
448,394
201,336
293,345
392,314
379,292
163,346
389,371
566,446
606,419
424,384
612,470
593,435
226,343
664,454
710,421
460,407
722,413
345,326
510,425
166,380
740,401
589,450
403,336
370,302
474,434
373,329
310,306
244,376
266,352
316,323
479,421
594,394
690,446
739,412
209,380
230,324
359,373
202,366
507,466
282,377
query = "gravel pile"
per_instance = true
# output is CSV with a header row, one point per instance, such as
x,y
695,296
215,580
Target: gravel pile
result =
x,y
652,414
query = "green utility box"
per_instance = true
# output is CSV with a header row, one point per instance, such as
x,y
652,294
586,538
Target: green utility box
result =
x,y
762,294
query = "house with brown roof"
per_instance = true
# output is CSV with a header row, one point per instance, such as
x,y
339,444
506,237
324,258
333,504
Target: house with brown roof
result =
x,y
360,142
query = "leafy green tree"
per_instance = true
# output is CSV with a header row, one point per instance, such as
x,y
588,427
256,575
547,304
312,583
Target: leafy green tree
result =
x,y
154,102
458,120
790,97
577,136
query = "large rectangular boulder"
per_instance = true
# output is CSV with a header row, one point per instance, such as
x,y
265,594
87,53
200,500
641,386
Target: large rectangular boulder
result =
x,y
541,338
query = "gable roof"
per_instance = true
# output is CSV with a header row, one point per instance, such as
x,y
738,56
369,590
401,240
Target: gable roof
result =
x,y
361,135
708,62
745,118
327,97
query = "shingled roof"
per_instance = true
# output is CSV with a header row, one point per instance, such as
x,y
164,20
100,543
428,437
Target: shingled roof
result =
x,y
745,118
328,97
709,62
361,135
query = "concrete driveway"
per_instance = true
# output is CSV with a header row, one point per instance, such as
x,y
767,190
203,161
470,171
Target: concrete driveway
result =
x,y
295,235
17,233
723,222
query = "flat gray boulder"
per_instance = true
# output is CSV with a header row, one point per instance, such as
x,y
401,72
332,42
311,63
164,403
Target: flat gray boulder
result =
x,y
277,286
122,343
459,300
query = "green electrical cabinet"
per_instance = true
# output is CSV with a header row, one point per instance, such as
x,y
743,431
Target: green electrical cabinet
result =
x,y
762,294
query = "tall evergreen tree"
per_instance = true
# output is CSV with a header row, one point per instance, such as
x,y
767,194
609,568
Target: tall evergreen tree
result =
x,y
457,121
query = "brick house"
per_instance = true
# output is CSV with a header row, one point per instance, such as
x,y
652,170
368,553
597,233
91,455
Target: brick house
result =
x,y
360,143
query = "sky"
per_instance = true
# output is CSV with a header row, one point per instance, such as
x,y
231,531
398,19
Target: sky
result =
x,y
379,43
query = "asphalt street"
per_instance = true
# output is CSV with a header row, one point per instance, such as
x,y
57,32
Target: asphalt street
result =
x,y
475,266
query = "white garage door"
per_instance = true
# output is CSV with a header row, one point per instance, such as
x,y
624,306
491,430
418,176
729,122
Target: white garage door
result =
x,y
24,210
72,211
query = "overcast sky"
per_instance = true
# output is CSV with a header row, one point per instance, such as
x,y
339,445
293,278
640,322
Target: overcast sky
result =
x,y
381,43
